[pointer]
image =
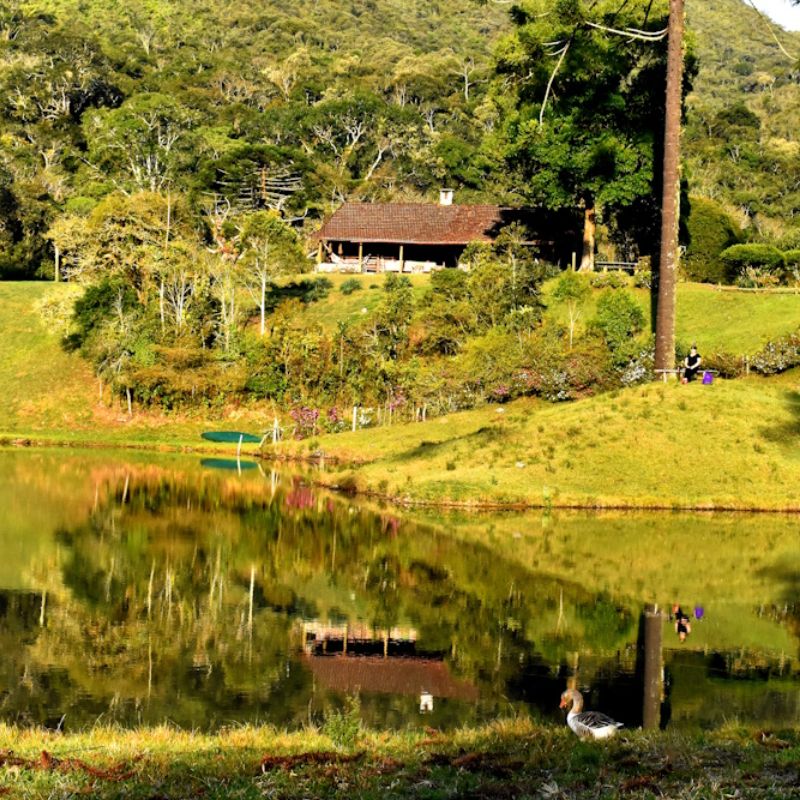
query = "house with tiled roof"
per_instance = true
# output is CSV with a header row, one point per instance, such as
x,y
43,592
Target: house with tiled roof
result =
x,y
405,237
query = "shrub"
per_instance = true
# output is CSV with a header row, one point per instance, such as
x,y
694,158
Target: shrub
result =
x,y
752,261
306,420
778,356
710,231
619,318
726,365
792,260
639,368
350,285
343,727
608,280
643,279
318,290
450,283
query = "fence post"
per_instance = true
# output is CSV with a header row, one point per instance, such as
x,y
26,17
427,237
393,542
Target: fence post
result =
x,y
355,417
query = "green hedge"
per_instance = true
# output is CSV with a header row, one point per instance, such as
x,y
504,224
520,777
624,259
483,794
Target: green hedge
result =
x,y
710,230
763,257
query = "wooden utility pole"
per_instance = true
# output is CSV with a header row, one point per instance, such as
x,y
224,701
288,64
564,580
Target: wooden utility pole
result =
x,y
670,205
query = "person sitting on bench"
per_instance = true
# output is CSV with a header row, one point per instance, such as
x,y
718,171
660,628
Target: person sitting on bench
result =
x,y
691,365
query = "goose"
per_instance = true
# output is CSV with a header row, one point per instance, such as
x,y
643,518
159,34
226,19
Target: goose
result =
x,y
586,724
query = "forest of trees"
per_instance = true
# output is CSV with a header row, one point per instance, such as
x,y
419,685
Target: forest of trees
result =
x,y
173,159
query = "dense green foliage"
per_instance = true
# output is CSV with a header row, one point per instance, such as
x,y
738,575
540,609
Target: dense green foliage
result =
x,y
741,143
296,106
753,260
174,164
710,230
582,111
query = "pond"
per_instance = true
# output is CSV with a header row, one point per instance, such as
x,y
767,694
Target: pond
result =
x,y
141,588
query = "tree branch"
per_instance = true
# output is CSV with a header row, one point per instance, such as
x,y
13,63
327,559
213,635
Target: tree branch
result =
x,y
771,29
632,33
563,53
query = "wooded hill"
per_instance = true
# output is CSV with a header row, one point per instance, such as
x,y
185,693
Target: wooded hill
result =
x,y
742,146
303,104
362,99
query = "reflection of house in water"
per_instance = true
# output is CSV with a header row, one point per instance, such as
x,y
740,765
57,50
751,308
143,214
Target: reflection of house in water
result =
x,y
357,658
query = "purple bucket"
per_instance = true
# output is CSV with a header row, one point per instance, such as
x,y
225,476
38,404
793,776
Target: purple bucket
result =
x,y
708,378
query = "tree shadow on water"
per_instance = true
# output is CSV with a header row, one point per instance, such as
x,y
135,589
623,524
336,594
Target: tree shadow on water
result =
x,y
787,609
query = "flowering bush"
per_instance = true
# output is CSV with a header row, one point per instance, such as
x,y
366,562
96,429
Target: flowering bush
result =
x,y
639,369
334,421
305,421
500,393
778,356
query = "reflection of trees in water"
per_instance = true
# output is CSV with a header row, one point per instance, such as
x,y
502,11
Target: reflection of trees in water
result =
x,y
178,593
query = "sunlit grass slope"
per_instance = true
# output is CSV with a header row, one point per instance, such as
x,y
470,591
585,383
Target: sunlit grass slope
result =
x,y
730,445
717,319
48,395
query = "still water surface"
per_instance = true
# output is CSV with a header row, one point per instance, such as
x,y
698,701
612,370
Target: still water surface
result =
x,y
139,589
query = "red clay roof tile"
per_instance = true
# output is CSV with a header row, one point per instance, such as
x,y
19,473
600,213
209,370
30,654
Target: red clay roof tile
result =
x,y
412,223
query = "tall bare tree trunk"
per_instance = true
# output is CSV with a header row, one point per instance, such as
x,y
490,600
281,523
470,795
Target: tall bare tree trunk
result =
x,y
589,229
670,205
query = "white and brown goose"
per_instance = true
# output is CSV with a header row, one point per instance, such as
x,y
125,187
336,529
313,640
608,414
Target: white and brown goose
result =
x,y
587,724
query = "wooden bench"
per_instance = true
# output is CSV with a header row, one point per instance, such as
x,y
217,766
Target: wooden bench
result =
x,y
665,372
676,372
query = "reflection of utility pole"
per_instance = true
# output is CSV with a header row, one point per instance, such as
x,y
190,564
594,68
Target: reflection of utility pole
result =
x,y
653,672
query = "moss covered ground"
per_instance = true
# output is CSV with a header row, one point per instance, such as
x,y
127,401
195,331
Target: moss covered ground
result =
x,y
516,759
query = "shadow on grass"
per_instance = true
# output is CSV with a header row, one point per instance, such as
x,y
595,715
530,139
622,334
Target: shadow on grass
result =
x,y
427,449
787,433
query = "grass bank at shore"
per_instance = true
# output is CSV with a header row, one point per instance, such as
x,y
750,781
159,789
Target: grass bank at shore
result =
x,y
504,760
728,446
732,445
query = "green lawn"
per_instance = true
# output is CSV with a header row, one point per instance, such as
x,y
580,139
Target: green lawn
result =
x,y
338,307
719,320
730,445
504,760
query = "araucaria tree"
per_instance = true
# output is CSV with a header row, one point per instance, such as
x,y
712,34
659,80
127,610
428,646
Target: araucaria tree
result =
x,y
581,88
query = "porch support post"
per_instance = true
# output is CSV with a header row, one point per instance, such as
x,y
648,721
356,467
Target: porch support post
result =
x,y
402,260
361,256
319,252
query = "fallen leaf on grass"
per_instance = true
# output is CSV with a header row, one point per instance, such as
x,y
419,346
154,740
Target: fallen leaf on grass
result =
x,y
49,762
771,741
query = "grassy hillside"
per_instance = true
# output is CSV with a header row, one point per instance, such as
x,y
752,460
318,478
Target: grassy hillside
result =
x,y
47,394
718,320
730,445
